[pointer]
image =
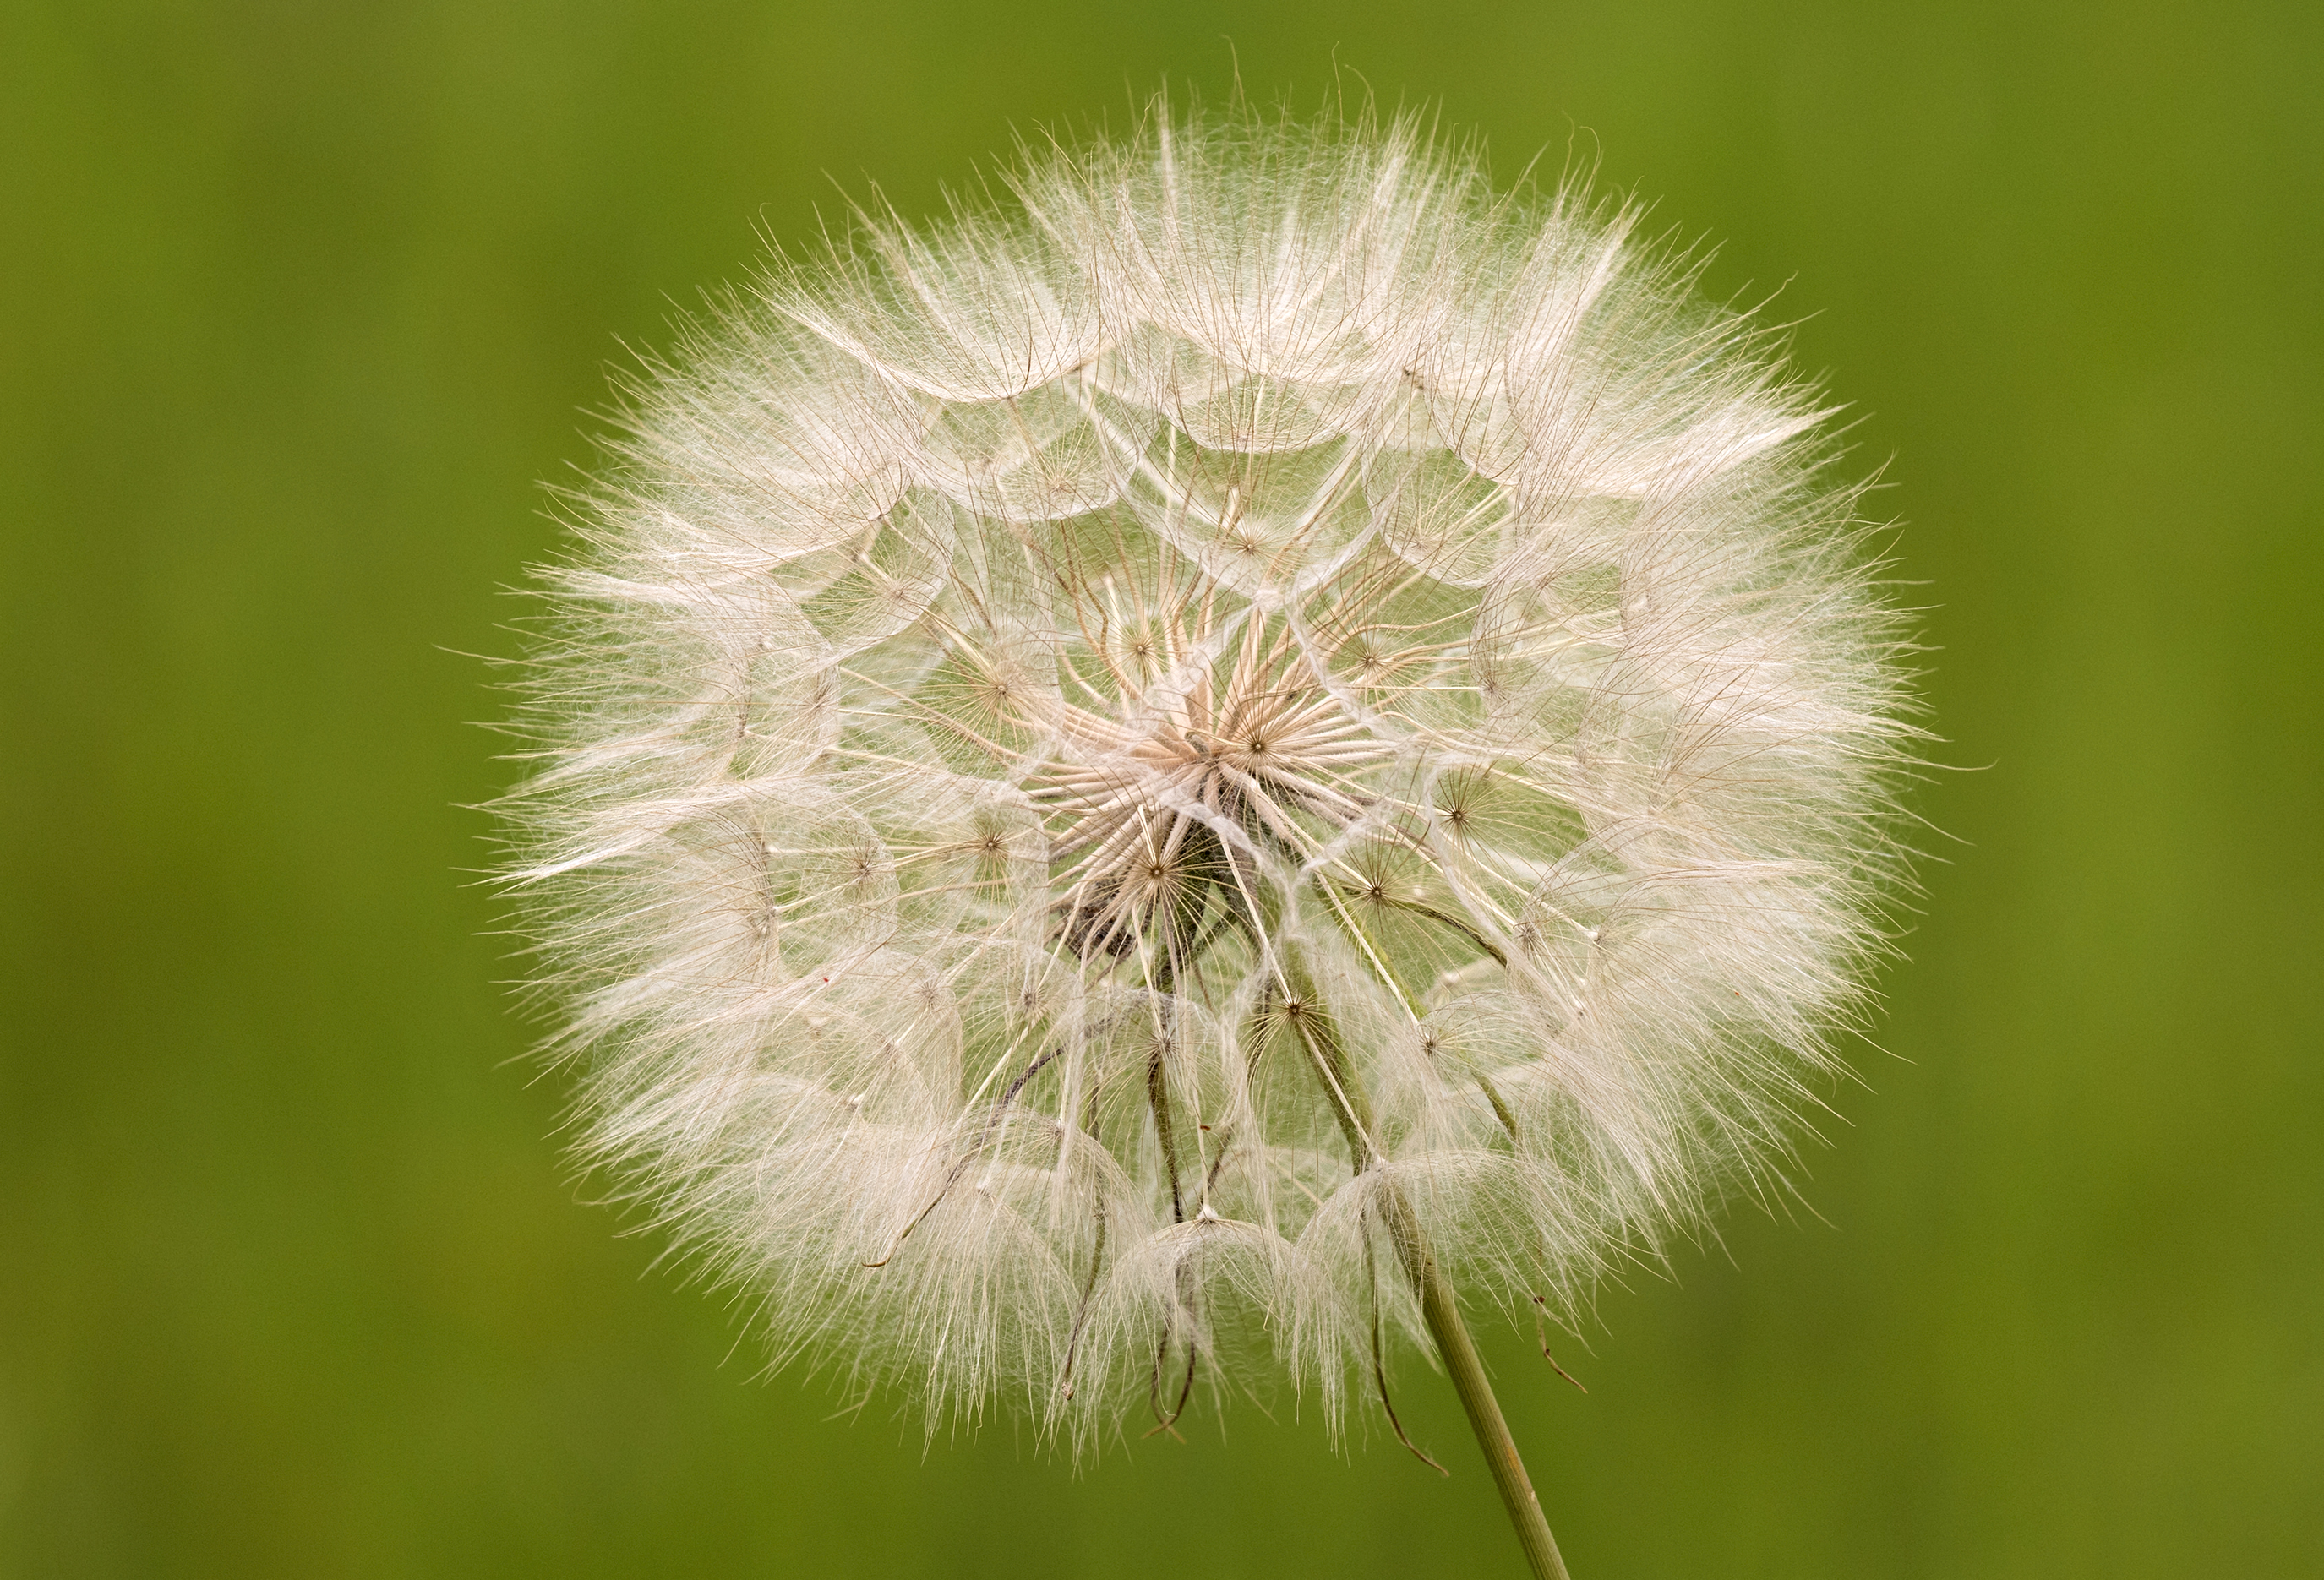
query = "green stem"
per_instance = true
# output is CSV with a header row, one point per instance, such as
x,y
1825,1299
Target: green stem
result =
x,y
1467,1371
1441,1311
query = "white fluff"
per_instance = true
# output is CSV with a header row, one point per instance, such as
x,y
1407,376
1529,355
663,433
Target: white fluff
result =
x,y
1089,742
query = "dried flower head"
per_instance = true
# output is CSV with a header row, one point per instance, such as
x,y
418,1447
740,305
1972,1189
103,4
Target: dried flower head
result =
x,y
1132,778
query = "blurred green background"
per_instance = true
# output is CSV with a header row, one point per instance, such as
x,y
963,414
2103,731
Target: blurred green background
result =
x,y
301,301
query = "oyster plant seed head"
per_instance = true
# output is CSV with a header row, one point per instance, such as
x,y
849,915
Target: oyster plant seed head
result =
x,y
1116,768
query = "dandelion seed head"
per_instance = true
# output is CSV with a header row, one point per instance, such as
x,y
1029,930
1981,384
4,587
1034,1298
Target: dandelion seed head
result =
x,y
1088,742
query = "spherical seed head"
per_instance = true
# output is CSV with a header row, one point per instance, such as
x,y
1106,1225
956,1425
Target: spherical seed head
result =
x,y
1090,742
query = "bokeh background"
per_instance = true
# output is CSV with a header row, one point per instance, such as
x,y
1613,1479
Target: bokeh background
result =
x,y
298,305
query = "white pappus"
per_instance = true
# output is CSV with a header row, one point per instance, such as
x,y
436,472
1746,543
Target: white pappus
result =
x,y
1125,778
